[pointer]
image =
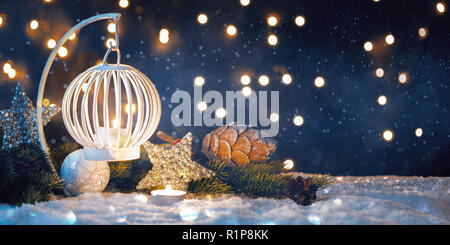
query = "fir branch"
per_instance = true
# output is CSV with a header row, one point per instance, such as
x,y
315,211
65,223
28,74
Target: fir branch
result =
x,y
209,186
321,180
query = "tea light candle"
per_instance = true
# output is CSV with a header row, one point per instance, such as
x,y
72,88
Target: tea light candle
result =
x,y
167,196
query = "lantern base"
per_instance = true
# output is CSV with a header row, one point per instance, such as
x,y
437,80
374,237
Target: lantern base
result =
x,y
120,154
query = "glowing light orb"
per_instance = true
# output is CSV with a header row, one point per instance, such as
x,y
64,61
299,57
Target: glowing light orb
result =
x,y
368,46
221,113
402,78
298,120
245,80
116,123
45,102
48,1
272,20
164,32
440,7
12,73
51,43
286,79
84,87
62,52
199,81
246,91
7,67
274,117
164,36
231,30
1,21
379,72
111,42
422,32
202,106
111,27
288,164
388,135
300,20
319,82
34,24
245,2
419,132
389,39
73,36
263,80
202,19
382,100
272,40
123,3
133,108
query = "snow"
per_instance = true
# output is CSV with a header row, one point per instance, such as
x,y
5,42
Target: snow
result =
x,y
350,200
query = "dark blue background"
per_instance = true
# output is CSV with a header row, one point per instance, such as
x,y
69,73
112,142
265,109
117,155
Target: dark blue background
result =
x,y
342,133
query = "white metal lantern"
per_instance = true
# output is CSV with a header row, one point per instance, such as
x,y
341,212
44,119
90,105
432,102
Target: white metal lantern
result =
x,y
111,109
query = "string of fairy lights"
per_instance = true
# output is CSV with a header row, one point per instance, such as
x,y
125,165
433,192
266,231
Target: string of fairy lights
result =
x,y
231,31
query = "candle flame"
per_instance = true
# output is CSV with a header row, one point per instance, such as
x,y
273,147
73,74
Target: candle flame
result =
x,y
169,187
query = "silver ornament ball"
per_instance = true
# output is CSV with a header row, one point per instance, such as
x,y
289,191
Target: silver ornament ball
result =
x,y
81,175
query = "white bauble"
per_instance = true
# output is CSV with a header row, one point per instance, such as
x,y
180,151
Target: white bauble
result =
x,y
81,175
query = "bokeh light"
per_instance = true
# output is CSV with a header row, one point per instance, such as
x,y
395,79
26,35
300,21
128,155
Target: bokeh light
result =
x,y
133,108
422,32
389,39
274,117
199,81
62,52
164,36
202,106
286,79
245,2
368,46
246,91
382,100
402,78
45,102
231,30
272,20
111,27
123,3
245,79
202,19
272,40
12,73
51,43
319,82
34,24
73,36
440,7
379,72
1,21
418,132
288,164
263,80
388,135
221,113
298,120
300,20
7,67
111,42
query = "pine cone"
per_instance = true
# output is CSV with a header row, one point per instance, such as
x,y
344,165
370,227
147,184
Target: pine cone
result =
x,y
237,145
302,191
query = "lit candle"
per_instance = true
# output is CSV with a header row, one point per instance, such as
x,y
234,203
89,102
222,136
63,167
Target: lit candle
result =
x,y
167,196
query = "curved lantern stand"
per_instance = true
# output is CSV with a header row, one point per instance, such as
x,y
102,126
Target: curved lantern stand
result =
x,y
51,58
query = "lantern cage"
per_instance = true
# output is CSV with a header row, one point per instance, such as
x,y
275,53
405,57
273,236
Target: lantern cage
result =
x,y
111,109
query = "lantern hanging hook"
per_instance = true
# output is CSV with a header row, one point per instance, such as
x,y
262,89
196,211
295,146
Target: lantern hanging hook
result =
x,y
46,71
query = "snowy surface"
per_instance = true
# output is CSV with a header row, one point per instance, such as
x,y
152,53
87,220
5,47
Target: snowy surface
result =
x,y
350,200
